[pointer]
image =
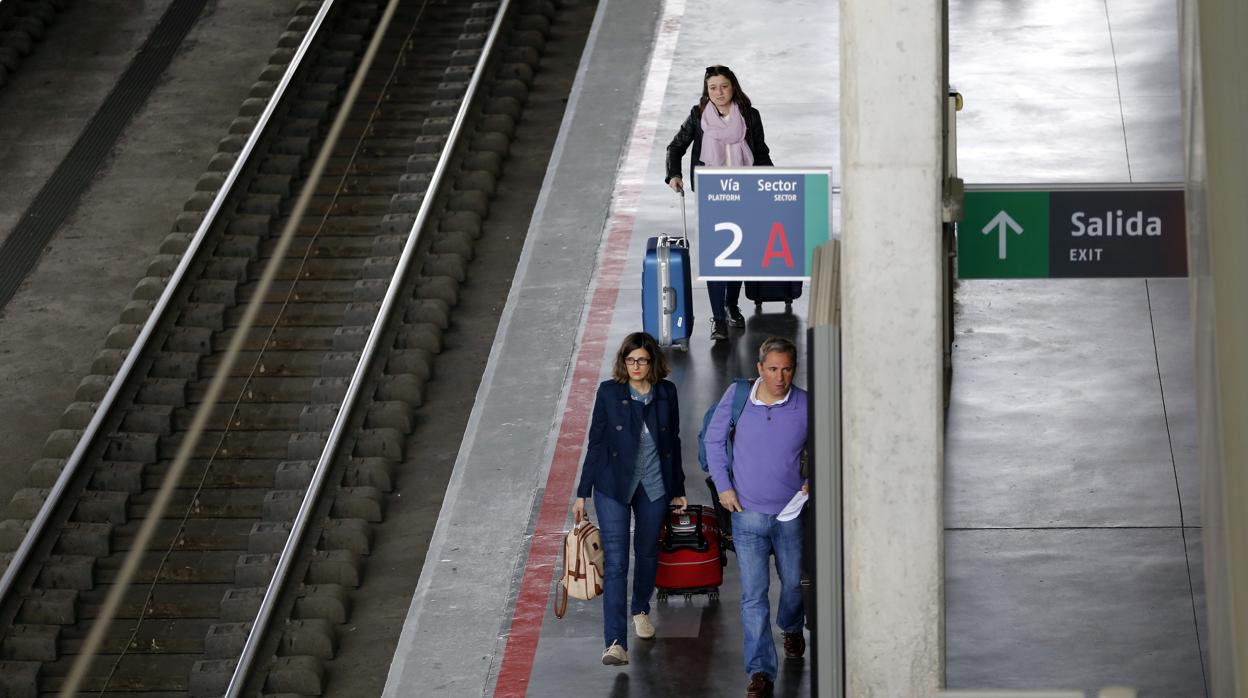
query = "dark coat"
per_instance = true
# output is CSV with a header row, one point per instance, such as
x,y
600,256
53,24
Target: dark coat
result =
x,y
615,434
691,133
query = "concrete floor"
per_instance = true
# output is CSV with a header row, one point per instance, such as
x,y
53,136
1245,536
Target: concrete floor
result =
x,y
1072,499
51,329
452,639
1072,508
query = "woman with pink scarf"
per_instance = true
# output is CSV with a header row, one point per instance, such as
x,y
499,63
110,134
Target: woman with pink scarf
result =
x,y
728,135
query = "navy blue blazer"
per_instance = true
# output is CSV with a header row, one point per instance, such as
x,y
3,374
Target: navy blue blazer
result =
x,y
615,434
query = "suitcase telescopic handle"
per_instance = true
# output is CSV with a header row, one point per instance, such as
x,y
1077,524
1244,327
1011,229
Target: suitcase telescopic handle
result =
x,y
702,543
684,222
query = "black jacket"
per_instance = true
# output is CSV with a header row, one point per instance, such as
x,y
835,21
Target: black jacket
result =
x,y
615,434
691,133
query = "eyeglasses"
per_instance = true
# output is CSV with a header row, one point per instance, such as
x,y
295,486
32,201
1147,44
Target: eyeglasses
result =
x,y
717,70
636,362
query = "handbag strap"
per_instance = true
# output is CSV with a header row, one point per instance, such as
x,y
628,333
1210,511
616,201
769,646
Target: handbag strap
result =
x,y
561,594
561,600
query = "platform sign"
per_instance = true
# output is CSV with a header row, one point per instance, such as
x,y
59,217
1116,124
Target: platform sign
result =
x,y
761,223
1072,233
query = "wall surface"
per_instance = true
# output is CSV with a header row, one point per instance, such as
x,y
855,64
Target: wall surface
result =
x,y
892,101
1214,58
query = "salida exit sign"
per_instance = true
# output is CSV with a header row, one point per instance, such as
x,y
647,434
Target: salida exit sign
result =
x,y
1012,233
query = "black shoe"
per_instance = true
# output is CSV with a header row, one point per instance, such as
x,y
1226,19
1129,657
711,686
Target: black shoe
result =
x,y
735,318
719,331
794,645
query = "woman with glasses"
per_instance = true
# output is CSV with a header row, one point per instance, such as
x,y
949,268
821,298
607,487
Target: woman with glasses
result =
x,y
725,131
632,468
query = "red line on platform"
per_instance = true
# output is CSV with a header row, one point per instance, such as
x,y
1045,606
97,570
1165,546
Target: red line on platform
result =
x,y
546,544
547,541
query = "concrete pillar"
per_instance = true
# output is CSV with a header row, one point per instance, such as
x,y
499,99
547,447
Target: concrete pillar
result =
x,y
1214,59
892,99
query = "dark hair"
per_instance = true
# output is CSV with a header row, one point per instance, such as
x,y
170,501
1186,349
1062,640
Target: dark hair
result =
x,y
771,345
633,342
738,95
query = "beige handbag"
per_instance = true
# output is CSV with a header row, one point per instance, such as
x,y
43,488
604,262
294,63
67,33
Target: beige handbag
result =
x,y
582,566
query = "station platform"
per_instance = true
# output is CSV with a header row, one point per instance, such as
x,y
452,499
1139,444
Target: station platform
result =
x,y
469,631
1072,550
1072,525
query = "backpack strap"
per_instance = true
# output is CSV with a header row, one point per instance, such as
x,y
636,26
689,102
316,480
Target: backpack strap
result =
x,y
740,393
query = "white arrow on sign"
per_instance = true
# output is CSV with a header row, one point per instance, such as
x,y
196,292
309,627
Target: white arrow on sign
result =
x,y
1001,221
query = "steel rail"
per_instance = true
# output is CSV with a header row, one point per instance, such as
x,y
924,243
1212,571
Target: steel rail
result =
x,y
299,526
38,525
193,433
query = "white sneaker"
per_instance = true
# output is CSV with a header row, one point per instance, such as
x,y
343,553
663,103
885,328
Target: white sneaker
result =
x,y
645,629
615,655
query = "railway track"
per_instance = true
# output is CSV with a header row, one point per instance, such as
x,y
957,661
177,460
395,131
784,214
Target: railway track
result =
x,y
22,26
183,623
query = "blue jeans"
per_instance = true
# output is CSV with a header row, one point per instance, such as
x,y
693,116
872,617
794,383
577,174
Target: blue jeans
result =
x,y
613,520
722,294
757,536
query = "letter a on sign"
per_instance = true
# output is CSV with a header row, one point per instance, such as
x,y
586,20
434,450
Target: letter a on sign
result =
x,y
777,231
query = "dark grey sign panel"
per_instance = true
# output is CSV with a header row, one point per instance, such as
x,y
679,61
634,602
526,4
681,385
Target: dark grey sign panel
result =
x,y
1117,234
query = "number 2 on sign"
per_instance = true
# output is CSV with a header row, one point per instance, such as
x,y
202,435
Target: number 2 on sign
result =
x,y
724,259
781,251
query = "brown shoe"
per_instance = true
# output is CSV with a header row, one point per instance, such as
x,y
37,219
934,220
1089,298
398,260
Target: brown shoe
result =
x,y
794,645
760,686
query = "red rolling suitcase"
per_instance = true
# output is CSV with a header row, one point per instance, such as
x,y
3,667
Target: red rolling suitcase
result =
x,y
690,558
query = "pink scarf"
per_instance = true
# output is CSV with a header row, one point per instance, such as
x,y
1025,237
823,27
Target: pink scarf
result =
x,y
723,140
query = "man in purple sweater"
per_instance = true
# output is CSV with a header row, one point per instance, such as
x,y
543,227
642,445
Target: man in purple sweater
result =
x,y
764,473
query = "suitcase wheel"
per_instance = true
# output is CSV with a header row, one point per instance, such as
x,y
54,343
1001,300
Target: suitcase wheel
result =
x,y
683,344
758,306
788,306
662,596
714,595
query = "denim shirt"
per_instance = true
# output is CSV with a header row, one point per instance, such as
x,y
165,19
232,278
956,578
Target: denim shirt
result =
x,y
646,470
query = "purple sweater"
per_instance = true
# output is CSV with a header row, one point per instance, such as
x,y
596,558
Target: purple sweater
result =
x,y
766,463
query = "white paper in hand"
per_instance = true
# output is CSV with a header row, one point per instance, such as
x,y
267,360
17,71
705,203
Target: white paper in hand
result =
x,y
794,507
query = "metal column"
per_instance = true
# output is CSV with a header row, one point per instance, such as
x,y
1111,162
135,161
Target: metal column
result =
x,y
824,378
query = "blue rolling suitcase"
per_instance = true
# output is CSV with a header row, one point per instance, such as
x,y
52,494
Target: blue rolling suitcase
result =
x,y
667,289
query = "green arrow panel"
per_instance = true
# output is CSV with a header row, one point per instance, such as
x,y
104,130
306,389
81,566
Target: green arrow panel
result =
x,y
818,222
1004,235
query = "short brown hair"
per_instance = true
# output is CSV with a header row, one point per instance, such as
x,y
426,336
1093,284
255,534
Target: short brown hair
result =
x,y
633,342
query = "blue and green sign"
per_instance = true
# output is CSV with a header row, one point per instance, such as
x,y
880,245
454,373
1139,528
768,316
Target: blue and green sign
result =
x,y
761,223
1072,233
